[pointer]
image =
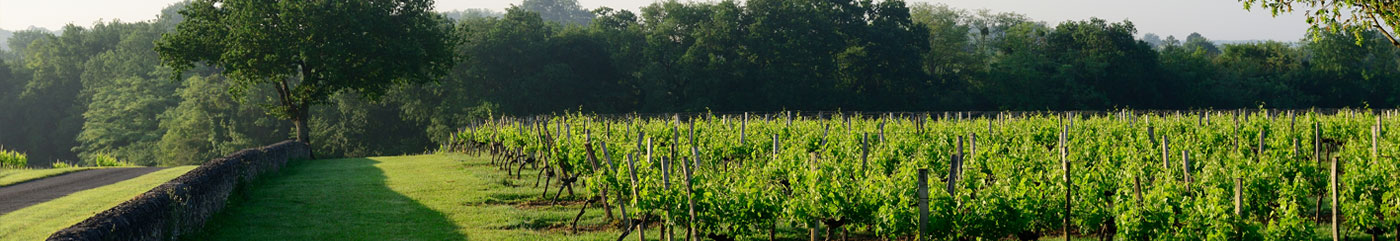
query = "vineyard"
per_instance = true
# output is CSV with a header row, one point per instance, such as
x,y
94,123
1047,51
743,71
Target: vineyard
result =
x,y
1211,175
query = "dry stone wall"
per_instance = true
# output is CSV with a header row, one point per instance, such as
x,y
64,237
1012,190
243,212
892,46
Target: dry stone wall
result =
x,y
185,203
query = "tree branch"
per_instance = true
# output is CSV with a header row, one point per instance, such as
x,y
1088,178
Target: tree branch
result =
x,y
1381,28
285,93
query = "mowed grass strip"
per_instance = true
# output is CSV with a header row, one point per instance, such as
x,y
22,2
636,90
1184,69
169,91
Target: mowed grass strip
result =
x,y
427,197
41,220
16,176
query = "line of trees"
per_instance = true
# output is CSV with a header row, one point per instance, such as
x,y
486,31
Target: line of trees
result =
x,y
102,90
863,55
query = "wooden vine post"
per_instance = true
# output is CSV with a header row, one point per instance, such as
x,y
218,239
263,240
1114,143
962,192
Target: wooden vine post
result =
x,y
593,164
1336,223
846,119
972,145
953,173
743,124
1186,168
1166,151
1137,189
958,161
667,231
690,234
1317,142
814,225
989,128
826,129
1237,125
1292,121
918,125
775,146
789,118
864,152
1150,134
882,131
1235,136
1069,186
641,226
1260,152
1239,195
1318,157
611,167
923,204
1375,141
773,230
547,172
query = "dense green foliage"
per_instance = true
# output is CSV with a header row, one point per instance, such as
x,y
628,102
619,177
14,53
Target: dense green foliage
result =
x,y
731,56
89,90
104,160
310,50
858,173
101,88
13,159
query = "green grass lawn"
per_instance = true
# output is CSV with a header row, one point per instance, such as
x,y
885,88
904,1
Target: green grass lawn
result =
x,y
15,176
428,197
41,220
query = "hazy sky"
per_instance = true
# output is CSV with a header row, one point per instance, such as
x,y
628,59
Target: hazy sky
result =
x,y
1216,19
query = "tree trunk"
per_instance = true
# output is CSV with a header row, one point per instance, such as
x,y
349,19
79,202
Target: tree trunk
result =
x,y
773,230
300,109
303,128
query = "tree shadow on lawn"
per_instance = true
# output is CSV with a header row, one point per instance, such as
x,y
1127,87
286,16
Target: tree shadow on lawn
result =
x,y
340,199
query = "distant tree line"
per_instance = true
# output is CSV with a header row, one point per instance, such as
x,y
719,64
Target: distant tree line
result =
x,y
884,55
101,89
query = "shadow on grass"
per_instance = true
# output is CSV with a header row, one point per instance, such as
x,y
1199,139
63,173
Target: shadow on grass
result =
x,y
340,199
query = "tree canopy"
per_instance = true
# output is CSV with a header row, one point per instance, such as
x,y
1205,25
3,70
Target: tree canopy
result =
x,y
310,50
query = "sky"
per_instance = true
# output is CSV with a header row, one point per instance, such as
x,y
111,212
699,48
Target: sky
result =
x,y
1215,19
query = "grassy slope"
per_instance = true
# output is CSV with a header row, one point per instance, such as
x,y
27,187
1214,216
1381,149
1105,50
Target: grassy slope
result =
x,y
41,220
430,197
15,176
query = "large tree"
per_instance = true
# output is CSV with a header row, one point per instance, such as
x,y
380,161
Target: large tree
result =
x,y
1354,16
310,50
1100,65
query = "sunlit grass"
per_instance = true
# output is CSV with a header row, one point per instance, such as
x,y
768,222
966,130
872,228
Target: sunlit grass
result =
x,y
15,176
428,197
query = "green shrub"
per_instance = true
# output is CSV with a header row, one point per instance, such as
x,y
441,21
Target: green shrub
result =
x,y
13,159
104,160
61,164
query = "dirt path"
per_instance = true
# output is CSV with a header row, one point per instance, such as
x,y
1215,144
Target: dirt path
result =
x,y
29,193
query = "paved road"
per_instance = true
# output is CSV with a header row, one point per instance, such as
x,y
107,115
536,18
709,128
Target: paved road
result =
x,y
22,195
